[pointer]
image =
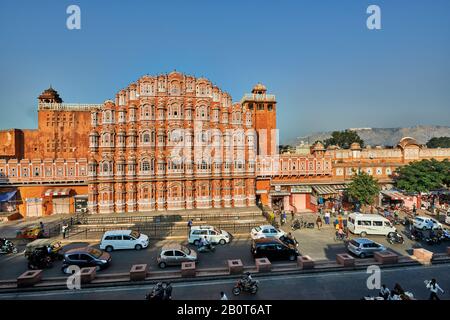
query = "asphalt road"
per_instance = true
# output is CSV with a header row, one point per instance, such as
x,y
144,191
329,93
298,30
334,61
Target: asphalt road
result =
x,y
351,285
318,244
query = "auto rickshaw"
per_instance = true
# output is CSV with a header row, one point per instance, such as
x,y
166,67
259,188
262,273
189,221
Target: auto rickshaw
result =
x,y
32,233
52,247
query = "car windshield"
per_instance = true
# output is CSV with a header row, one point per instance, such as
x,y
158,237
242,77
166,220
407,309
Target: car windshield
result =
x,y
257,229
217,231
135,234
353,242
186,250
95,252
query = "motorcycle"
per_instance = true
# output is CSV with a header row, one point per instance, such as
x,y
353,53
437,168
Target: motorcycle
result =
x,y
395,237
416,235
8,247
433,239
340,237
39,259
297,224
246,285
207,248
161,291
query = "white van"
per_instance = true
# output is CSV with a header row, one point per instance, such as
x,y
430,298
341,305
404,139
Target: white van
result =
x,y
123,239
212,234
364,224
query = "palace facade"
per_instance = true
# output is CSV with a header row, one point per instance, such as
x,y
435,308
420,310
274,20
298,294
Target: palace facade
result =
x,y
174,142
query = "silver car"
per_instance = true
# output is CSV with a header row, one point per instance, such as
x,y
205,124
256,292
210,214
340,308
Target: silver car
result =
x,y
363,247
175,254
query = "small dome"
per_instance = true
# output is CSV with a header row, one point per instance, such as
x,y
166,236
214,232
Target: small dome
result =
x,y
50,96
332,147
407,141
319,146
355,146
259,88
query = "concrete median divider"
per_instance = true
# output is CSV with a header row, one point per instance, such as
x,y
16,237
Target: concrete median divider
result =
x,y
235,266
423,255
29,278
345,260
263,265
87,275
386,257
305,262
138,272
188,269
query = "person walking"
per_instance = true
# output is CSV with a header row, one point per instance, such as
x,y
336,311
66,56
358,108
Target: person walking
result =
x,y
292,215
223,296
434,288
64,230
318,222
284,217
189,224
327,217
340,222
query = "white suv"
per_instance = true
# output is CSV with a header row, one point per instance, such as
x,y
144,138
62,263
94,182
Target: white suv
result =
x,y
266,231
212,234
123,239
423,223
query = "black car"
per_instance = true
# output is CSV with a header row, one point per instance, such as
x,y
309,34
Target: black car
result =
x,y
86,257
273,249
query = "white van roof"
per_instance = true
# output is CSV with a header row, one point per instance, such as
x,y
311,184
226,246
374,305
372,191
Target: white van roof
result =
x,y
117,232
370,216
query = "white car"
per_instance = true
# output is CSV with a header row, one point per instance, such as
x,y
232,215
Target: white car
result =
x,y
267,231
123,239
424,223
213,235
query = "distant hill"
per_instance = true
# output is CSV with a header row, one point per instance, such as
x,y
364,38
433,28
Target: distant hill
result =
x,y
385,136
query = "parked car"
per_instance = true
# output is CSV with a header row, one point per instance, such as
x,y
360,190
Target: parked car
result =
x,y
213,235
175,254
422,223
363,247
123,239
86,257
273,249
266,231
364,224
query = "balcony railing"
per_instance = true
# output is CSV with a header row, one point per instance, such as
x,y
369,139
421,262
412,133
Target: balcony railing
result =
x,y
69,106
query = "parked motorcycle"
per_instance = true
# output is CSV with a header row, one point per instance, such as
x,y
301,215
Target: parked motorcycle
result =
x,y
39,259
161,291
7,246
395,237
246,284
299,224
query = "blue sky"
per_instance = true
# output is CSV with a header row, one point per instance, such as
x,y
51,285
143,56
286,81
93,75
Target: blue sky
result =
x,y
326,68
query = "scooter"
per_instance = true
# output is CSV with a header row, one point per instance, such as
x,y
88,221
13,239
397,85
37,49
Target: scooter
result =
x,y
207,248
8,247
395,237
161,291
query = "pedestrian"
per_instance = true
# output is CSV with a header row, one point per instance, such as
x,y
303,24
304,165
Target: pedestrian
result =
x,y
341,224
414,210
434,287
384,292
284,217
319,222
41,225
292,215
189,224
327,217
64,230
223,296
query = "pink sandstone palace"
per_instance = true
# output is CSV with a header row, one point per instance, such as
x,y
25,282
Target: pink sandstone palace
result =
x,y
174,142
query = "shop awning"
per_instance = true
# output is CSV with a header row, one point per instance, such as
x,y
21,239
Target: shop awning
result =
x,y
6,196
325,189
394,195
57,192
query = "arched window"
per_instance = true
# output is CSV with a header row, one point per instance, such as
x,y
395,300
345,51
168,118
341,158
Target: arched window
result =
x,y
145,112
146,137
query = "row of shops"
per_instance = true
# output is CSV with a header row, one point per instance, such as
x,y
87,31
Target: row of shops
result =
x,y
33,202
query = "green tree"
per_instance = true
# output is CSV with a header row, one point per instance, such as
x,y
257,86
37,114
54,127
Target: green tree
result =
x,y
344,139
423,176
363,188
439,142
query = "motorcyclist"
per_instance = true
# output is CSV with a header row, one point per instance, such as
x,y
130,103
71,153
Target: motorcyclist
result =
x,y
205,243
247,279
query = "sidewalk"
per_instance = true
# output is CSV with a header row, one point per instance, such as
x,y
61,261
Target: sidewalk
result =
x,y
9,229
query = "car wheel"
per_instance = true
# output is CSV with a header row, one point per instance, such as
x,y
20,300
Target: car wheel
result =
x,y
64,270
362,255
254,289
196,242
138,247
236,291
109,249
222,241
162,265
424,228
363,234
291,258
97,268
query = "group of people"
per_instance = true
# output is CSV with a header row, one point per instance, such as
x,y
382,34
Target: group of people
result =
x,y
397,293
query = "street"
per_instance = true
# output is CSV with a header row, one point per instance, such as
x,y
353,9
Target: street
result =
x,y
349,285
